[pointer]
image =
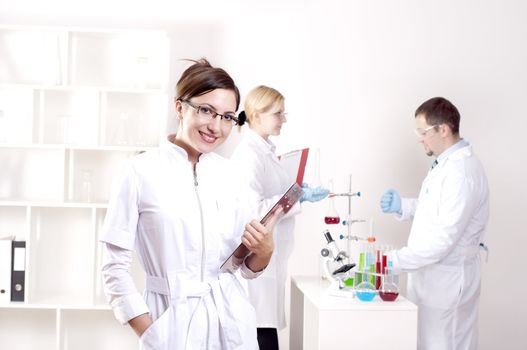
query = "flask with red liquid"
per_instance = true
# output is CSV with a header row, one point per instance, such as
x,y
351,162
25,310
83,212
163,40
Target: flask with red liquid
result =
x,y
331,220
389,290
332,217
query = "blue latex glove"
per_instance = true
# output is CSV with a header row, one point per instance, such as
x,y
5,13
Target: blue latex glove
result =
x,y
391,202
313,194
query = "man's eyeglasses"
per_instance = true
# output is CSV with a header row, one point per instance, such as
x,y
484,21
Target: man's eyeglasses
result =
x,y
207,113
422,132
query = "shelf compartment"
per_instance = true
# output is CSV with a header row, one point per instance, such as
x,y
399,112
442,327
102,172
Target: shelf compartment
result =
x,y
32,56
119,59
13,222
16,324
69,117
31,174
16,114
60,266
79,327
130,119
89,174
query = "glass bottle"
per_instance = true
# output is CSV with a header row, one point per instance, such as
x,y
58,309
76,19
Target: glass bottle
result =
x,y
142,130
142,63
121,137
86,192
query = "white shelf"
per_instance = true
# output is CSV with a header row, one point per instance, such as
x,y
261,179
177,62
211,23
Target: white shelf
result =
x,y
63,147
102,205
56,305
74,88
75,105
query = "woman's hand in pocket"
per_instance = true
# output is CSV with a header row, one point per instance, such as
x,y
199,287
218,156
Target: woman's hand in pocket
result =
x,y
140,323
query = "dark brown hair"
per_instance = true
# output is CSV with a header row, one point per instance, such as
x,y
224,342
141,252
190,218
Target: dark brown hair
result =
x,y
201,78
439,110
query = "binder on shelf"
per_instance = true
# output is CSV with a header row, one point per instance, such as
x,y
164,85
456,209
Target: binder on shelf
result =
x,y
294,163
18,270
5,271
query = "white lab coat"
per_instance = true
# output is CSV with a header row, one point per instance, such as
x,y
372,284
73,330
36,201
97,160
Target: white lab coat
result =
x,y
442,254
182,228
268,181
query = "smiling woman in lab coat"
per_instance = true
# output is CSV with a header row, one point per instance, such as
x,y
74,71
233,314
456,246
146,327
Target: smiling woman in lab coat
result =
x,y
178,207
255,155
449,221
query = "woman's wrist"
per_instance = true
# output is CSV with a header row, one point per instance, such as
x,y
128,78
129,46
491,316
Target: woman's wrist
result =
x,y
140,323
258,262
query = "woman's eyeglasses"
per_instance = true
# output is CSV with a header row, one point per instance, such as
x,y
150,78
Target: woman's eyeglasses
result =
x,y
207,113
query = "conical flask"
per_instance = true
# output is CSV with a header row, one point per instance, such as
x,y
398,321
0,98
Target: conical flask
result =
x,y
332,217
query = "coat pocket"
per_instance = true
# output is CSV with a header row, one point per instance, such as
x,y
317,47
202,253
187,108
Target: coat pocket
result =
x,y
154,338
441,287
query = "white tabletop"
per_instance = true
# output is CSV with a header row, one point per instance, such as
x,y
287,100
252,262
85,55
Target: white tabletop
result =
x,y
318,292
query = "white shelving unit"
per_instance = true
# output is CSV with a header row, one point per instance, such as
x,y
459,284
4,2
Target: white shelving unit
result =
x,y
75,103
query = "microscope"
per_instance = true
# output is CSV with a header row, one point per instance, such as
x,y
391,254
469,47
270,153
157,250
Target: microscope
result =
x,y
336,264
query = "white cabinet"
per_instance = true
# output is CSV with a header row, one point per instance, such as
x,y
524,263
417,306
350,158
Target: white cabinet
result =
x,y
75,104
320,320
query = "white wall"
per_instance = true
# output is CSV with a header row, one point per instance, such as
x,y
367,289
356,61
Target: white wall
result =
x,y
353,73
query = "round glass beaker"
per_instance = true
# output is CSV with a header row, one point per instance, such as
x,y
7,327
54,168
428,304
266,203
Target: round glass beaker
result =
x,y
365,291
389,290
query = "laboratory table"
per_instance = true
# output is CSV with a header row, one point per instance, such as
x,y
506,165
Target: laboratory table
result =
x,y
321,320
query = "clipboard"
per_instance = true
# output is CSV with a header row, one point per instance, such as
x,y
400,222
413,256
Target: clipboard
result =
x,y
286,202
294,163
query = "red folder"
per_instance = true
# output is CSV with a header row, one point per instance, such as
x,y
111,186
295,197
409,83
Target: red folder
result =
x,y
294,163
286,202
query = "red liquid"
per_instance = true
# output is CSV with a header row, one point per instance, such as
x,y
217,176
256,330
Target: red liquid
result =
x,y
378,270
331,220
388,296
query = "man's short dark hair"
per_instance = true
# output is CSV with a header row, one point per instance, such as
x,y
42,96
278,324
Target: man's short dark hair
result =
x,y
439,110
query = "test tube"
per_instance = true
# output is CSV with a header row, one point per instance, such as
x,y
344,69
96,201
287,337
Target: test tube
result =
x,y
358,277
378,265
384,262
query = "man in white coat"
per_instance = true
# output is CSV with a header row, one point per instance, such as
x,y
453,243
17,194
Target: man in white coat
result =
x,y
449,220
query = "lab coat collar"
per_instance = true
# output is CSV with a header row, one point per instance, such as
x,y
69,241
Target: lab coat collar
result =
x,y
457,151
171,148
266,145
175,150
451,150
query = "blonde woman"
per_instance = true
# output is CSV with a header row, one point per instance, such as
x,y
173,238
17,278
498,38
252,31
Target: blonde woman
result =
x,y
255,155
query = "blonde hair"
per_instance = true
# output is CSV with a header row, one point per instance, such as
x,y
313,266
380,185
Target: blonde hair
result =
x,y
261,99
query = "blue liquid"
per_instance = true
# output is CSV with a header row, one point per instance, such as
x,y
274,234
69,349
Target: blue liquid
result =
x,y
366,295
